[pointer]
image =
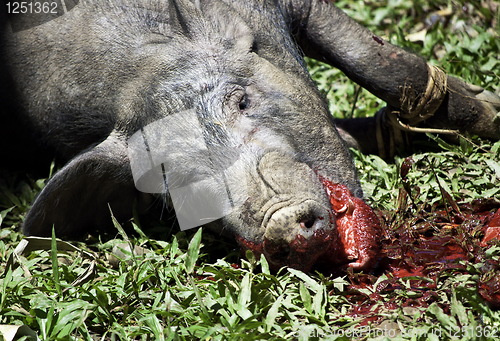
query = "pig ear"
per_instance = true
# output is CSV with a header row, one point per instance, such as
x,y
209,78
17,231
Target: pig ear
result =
x,y
78,197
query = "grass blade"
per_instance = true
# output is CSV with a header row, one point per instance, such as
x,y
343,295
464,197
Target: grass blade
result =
x,y
55,263
193,251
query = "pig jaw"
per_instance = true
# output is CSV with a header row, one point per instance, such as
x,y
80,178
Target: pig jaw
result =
x,y
302,253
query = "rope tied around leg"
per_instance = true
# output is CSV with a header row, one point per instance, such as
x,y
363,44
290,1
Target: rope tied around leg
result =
x,y
417,107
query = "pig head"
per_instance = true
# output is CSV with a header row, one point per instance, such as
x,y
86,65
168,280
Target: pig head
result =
x,y
238,111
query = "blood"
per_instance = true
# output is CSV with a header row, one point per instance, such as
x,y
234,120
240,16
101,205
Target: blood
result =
x,y
423,248
354,240
357,225
492,229
300,253
490,291
420,246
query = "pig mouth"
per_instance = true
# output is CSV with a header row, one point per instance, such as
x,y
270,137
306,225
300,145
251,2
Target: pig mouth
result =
x,y
351,239
301,253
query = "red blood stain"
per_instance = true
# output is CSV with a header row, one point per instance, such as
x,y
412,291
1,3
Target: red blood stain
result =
x,y
300,253
490,290
492,229
420,246
425,247
357,225
352,238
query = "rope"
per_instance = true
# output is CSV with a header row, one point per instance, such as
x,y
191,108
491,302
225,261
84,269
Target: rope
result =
x,y
415,108
389,140
426,104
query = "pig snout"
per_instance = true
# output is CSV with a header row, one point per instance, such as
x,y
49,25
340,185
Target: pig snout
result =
x,y
293,213
297,235
304,219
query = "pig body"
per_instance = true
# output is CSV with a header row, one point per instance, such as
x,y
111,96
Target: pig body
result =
x,y
87,81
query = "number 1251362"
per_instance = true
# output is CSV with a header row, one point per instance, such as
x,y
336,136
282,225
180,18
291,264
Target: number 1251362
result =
x,y
28,7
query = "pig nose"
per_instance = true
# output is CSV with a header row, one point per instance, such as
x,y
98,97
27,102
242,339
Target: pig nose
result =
x,y
300,219
311,222
292,234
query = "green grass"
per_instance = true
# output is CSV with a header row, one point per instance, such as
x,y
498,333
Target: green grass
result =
x,y
177,289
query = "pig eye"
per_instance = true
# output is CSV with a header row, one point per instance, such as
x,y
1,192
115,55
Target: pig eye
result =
x,y
243,103
238,100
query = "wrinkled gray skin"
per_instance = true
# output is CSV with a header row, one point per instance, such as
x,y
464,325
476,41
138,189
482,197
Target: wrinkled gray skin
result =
x,y
88,80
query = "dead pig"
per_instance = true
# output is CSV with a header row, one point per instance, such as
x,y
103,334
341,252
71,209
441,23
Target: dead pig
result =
x,y
240,118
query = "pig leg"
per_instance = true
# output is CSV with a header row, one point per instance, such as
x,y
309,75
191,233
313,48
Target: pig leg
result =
x,y
421,94
374,135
